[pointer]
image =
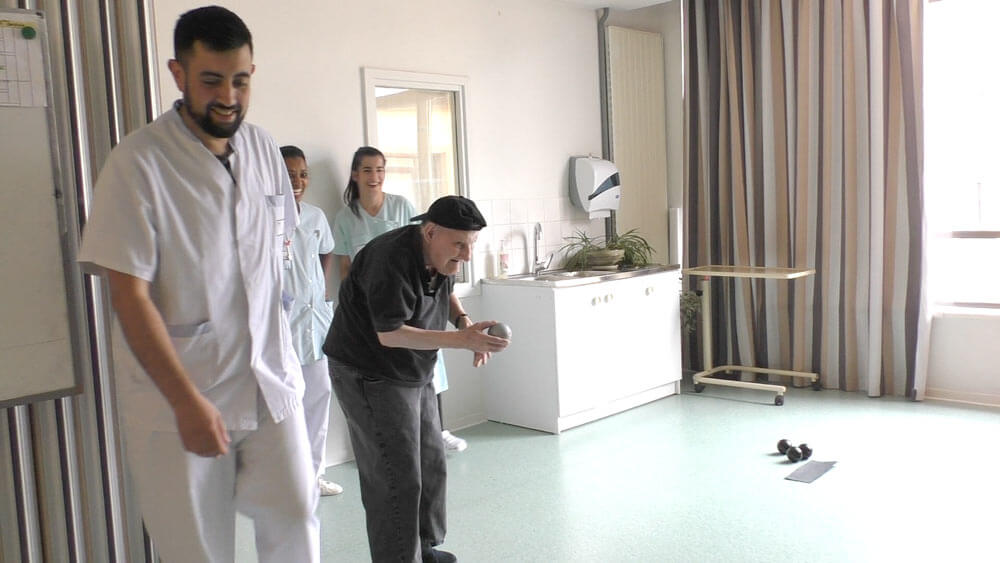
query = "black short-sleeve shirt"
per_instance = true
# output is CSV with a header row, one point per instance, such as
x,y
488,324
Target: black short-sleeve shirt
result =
x,y
389,286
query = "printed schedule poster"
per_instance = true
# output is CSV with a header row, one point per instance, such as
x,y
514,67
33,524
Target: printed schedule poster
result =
x,y
22,71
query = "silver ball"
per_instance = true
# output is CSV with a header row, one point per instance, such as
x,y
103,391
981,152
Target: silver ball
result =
x,y
501,330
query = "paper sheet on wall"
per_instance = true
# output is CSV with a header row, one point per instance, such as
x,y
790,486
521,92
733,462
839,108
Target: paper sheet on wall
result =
x,y
22,71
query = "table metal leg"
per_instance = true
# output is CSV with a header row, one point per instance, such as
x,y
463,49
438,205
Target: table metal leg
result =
x,y
705,376
706,322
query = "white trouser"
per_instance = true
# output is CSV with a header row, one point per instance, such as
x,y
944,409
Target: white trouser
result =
x,y
316,405
189,503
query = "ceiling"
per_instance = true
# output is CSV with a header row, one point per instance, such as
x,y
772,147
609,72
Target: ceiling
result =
x,y
615,4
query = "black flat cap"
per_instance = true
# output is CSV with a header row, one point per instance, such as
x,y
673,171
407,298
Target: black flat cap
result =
x,y
454,212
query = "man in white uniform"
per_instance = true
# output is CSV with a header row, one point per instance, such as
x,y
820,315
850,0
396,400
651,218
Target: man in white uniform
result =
x,y
189,221
311,313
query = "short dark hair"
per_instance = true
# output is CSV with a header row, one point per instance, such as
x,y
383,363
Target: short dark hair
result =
x,y
216,27
292,151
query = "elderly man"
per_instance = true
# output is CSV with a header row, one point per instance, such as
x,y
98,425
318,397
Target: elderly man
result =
x,y
391,320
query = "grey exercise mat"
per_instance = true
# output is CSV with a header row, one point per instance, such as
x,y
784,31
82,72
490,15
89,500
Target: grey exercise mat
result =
x,y
811,471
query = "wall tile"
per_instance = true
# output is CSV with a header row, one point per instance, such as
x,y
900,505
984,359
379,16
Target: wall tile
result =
x,y
485,239
501,211
553,209
519,236
518,211
486,208
518,261
536,211
567,209
501,233
552,233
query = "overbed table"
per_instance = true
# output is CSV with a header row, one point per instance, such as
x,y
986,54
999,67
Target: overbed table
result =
x,y
704,377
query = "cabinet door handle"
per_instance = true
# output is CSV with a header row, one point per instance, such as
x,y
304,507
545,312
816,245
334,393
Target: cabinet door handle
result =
x,y
595,301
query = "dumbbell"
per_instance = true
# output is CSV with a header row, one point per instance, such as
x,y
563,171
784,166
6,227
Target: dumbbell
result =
x,y
802,451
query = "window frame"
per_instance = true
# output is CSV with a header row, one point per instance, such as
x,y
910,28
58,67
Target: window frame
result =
x,y
459,87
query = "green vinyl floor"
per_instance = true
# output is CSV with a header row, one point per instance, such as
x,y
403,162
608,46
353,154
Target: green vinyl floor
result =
x,y
696,478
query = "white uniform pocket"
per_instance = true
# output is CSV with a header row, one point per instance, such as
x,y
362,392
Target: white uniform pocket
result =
x,y
277,203
198,349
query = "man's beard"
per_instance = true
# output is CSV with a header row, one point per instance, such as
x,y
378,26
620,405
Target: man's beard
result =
x,y
204,120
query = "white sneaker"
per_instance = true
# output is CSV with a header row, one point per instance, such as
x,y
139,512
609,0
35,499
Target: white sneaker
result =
x,y
328,488
453,443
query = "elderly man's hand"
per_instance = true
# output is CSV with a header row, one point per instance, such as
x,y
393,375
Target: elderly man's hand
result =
x,y
480,359
478,341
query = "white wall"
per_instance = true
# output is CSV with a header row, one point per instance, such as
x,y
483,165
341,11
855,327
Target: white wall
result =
x,y
963,357
533,102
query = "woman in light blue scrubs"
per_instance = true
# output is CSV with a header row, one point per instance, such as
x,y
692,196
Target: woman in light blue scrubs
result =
x,y
369,213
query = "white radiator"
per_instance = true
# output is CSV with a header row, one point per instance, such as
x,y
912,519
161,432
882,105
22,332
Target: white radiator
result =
x,y
639,133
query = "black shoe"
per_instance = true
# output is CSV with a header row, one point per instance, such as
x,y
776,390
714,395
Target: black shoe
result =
x,y
431,555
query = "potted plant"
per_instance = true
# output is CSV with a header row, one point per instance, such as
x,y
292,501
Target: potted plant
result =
x,y
628,250
690,307
637,249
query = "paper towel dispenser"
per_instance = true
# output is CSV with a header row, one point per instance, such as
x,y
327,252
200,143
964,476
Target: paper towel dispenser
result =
x,y
594,185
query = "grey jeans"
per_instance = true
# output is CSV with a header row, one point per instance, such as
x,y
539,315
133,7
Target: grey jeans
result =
x,y
396,435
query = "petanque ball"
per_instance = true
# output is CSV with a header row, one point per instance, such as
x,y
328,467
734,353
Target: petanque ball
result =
x,y
501,330
783,446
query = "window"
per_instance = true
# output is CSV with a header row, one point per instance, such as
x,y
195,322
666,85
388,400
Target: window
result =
x,y
962,152
418,121
416,133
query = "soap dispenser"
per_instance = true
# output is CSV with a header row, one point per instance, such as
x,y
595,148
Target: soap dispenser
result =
x,y
504,261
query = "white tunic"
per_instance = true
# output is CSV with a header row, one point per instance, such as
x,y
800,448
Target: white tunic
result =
x,y
311,313
211,245
352,232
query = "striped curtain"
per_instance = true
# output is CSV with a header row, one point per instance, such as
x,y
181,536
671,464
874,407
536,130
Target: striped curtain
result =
x,y
803,149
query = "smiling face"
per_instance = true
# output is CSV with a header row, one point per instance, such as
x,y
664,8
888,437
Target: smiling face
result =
x,y
445,249
298,173
370,173
216,91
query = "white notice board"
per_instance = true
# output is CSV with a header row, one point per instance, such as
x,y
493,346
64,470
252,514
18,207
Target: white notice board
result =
x,y
36,256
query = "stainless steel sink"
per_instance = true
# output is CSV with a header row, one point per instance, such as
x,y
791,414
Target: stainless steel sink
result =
x,y
565,274
566,278
555,278
555,275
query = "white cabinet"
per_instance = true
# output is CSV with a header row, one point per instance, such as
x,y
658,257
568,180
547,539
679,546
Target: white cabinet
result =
x,y
584,352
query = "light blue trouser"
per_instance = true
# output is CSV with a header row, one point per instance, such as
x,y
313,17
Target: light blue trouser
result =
x,y
440,379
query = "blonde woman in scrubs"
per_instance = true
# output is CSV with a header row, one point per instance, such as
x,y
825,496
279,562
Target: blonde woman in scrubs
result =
x,y
369,213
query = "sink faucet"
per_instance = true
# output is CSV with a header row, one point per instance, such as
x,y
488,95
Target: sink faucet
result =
x,y
540,265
